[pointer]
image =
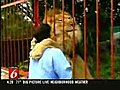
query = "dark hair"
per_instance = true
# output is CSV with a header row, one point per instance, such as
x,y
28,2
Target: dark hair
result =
x,y
42,33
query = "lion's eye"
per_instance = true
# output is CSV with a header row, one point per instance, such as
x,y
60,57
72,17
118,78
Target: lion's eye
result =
x,y
60,20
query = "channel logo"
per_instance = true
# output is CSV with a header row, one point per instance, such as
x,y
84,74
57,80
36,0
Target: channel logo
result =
x,y
13,73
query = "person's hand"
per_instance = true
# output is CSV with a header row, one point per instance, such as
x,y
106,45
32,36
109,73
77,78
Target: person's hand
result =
x,y
33,43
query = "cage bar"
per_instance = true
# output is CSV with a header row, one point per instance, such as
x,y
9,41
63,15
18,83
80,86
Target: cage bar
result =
x,y
73,41
85,39
63,22
112,40
45,11
12,3
54,20
36,13
98,39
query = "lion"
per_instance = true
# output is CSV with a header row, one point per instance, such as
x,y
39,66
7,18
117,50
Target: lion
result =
x,y
57,34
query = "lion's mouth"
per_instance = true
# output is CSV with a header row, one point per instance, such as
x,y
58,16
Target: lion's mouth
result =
x,y
70,30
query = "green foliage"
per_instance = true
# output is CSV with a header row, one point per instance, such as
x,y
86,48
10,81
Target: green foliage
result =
x,y
14,26
23,65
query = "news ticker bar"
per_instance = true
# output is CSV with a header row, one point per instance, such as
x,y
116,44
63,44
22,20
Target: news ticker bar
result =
x,y
61,81
37,81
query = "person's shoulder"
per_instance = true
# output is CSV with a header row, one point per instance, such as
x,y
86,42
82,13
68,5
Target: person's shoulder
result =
x,y
55,50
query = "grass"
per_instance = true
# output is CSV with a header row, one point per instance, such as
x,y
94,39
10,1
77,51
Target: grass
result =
x,y
105,67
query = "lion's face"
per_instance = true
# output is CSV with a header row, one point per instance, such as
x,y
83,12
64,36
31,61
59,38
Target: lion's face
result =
x,y
68,29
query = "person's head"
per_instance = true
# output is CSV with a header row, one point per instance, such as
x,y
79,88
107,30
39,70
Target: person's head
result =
x,y
42,33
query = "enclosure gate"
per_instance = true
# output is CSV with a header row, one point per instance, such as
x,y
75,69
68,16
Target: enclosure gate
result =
x,y
15,34
16,49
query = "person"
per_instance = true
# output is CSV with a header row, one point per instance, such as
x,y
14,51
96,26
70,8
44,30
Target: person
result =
x,y
47,61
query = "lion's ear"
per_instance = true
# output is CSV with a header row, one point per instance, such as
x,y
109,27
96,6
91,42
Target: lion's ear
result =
x,y
48,16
